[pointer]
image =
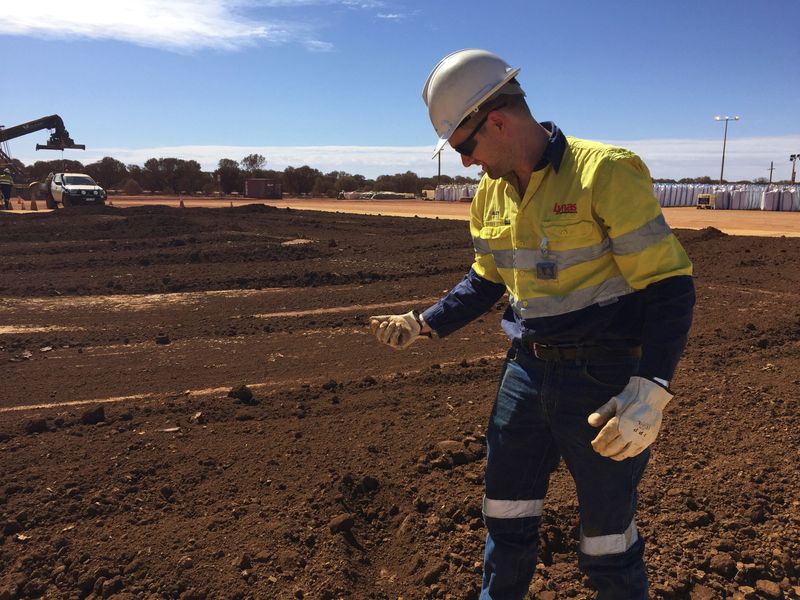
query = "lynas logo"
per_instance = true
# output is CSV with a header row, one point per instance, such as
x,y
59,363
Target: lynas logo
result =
x,y
564,208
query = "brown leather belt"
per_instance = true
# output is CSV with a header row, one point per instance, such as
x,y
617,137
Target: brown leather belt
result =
x,y
558,353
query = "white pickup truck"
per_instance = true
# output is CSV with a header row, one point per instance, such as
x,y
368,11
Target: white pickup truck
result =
x,y
76,189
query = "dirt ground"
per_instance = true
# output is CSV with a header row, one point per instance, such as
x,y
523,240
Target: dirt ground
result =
x,y
733,222
134,465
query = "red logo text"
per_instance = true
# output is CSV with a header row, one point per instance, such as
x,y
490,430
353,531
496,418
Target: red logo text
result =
x,y
564,208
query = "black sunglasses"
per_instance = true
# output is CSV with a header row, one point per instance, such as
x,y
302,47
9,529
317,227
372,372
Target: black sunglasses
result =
x,y
467,147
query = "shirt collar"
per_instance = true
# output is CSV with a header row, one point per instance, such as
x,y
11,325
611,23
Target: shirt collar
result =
x,y
554,151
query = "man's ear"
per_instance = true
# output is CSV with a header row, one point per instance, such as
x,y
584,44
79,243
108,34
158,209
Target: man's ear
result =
x,y
498,120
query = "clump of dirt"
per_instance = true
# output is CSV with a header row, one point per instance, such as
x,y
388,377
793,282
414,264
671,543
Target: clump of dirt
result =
x,y
711,233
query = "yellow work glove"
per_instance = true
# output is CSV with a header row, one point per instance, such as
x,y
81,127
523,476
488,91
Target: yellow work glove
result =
x,y
630,420
397,331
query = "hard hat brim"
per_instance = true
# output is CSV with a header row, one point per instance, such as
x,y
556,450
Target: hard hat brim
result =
x,y
439,147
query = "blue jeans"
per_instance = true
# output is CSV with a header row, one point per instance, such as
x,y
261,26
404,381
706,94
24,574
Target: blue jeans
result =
x,y
539,417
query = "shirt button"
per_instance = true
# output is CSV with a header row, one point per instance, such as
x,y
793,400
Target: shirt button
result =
x,y
563,232
525,303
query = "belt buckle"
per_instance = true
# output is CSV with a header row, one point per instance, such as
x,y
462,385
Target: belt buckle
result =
x,y
539,350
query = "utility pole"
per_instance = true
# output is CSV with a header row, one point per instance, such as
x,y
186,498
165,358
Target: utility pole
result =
x,y
793,158
771,169
724,141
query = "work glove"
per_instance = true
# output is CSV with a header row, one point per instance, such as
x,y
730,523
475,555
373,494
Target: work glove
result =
x,y
630,420
397,331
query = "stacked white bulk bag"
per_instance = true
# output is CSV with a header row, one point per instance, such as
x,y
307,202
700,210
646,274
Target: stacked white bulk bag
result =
x,y
737,199
657,193
723,199
770,200
789,200
695,192
752,198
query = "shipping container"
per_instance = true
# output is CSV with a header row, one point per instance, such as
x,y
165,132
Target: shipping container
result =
x,y
263,188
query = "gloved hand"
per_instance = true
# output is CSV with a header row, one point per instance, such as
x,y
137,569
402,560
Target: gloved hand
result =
x,y
397,331
632,419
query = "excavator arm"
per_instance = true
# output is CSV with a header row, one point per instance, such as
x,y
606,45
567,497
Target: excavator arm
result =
x,y
59,139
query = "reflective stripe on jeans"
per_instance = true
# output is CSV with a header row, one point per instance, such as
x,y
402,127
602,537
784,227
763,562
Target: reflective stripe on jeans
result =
x,y
512,509
615,543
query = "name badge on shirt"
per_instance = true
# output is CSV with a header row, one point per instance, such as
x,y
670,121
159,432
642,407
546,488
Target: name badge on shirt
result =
x,y
546,268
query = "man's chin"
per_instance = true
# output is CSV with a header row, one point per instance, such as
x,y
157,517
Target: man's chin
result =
x,y
494,173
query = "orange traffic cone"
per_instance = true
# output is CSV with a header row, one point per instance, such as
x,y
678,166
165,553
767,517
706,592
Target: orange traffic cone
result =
x,y
33,204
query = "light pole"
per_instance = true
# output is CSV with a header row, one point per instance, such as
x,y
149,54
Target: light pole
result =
x,y
793,158
724,141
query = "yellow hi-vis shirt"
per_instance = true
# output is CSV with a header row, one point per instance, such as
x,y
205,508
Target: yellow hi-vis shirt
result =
x,y
586,234
5,179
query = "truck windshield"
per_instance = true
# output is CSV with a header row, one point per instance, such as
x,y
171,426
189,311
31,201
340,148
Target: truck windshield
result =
x,y
78,180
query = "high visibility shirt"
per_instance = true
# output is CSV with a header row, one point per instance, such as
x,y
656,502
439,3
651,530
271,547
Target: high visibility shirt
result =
x,y
585,256
5,179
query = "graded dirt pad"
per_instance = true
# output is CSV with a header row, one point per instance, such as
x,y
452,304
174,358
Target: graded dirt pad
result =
x,y
134,465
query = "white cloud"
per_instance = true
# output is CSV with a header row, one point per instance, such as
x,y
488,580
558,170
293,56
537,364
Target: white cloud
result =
x,y
390,16
745,158
177,25
300,3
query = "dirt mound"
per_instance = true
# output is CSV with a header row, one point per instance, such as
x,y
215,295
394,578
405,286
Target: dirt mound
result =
x,y
711,233
267,447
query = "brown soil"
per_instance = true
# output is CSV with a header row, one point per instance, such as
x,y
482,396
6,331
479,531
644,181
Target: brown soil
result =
x,y
134,465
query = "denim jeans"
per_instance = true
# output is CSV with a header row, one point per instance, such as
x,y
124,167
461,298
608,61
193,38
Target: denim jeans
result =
x,y
540,416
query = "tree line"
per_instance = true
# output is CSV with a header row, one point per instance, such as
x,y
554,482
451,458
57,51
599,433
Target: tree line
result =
x,y
175,175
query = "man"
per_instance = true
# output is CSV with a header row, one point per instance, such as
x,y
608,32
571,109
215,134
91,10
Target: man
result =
x,y
5,187
600,304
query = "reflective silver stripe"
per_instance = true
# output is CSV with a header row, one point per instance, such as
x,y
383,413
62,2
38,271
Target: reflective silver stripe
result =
x,y
641,238
614,543
525,258
504,259
548,306
481,246
512,509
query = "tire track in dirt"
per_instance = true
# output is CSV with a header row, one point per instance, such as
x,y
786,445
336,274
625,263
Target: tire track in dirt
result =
x,y
206,392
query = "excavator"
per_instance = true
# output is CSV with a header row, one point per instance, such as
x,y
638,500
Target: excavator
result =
x,y
59,140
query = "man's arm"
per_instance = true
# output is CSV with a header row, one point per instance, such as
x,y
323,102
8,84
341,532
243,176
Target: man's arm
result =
x,y
467,301
652,260
472,297
669,304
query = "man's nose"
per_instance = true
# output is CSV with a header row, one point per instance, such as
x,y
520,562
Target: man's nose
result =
x,y
467,160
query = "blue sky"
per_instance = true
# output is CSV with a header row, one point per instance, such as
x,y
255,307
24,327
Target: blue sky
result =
x,y
336,84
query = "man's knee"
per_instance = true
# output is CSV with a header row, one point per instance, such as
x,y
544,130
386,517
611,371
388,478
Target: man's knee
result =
x,y
512,521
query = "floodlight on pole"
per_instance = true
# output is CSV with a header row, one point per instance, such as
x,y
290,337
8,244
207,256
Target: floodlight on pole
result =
x,y
724,141
793,158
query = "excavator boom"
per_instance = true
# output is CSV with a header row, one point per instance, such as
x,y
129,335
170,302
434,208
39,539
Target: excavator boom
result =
x,y
59,139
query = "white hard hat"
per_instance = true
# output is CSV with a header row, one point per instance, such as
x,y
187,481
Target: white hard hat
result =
x,y
459,84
